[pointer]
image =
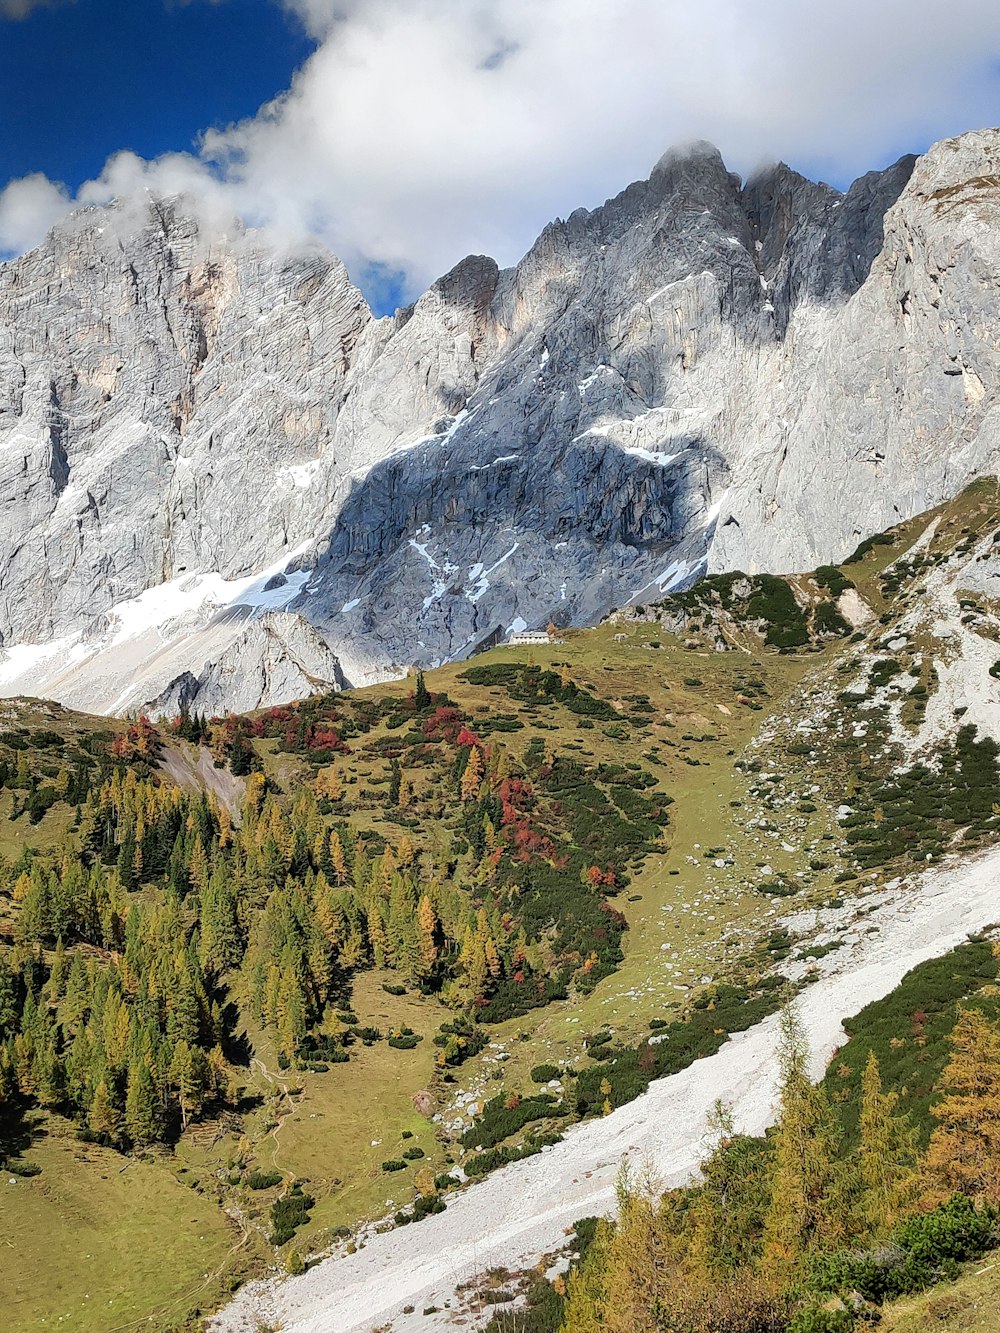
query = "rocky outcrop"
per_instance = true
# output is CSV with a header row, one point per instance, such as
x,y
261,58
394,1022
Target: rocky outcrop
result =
x,y
699,374
276,657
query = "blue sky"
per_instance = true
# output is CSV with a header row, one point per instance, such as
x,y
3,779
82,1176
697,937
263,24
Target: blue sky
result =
x,y
410,133
81,80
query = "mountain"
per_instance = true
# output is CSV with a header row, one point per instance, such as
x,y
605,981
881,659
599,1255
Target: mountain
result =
x,y
198,429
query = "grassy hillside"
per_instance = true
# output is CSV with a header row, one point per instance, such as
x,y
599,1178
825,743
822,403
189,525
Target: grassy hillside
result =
x,y
426,924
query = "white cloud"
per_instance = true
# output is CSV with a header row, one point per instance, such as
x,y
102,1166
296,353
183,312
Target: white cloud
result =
x,y
28,207
421,130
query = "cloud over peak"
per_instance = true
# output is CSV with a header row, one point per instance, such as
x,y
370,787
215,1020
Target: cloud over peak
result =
x,y
421,130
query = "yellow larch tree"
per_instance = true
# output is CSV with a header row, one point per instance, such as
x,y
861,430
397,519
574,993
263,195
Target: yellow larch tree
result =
x,y
964,1151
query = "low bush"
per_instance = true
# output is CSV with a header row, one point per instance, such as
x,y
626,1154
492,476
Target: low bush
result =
x,y
289,1213
923,1251
543,1073
263,1180
503,1116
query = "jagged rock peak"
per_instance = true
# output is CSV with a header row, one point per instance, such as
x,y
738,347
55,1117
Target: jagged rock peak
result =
x,y
470,283
694,161
197,431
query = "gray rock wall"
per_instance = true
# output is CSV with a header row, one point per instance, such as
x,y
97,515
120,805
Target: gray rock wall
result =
x,y
698,374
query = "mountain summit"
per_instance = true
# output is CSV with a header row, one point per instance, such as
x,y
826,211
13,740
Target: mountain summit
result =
x,y
198,431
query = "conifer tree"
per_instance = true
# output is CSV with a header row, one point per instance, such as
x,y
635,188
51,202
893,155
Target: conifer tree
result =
x,y
802,1216
731,1202
473,776
377,934
188,1071
887,1155
141,1119
104,1117
964,1151
338,861
427,930
421,696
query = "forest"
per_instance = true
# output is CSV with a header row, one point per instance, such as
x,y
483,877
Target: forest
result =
x,y
138,948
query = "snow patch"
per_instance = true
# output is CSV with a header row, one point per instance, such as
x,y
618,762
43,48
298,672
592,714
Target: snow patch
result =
x,y
300,475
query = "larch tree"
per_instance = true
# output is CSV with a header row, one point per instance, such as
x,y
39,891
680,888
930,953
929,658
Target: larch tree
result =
x,y
104,1117
141,1121
802,1216
887,1155
964,1151
472,778
427,926
732,1199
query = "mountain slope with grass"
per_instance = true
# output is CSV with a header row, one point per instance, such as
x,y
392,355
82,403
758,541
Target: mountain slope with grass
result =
x,y
317,966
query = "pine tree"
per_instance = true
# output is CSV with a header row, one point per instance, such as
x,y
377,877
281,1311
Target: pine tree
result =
x,y
104,1117
964,1151
802,1214
887,1155
141,1119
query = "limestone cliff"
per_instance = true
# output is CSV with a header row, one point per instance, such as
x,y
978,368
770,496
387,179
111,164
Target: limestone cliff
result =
x,y
701,373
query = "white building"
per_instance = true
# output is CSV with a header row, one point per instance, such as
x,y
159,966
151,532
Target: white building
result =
x,y
530,636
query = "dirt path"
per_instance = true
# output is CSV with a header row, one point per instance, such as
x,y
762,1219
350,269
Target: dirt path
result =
x,y
524,1210
275,1081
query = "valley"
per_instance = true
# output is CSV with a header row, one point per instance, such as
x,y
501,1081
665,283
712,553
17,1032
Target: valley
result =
x,y
544,859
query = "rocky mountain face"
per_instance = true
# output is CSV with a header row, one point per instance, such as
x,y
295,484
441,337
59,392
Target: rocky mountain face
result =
x,y
198,431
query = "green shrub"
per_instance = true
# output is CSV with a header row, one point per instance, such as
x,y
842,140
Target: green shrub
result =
x,y
816,1319
925,1250
543,1073
773,601
503,1116
289,1213
869,544
833,579
263,1180
23,1169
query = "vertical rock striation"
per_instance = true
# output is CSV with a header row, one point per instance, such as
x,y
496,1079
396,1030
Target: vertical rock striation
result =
x,y
700,373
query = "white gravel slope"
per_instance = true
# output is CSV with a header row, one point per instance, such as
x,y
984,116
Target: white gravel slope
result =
x,y
523,1211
